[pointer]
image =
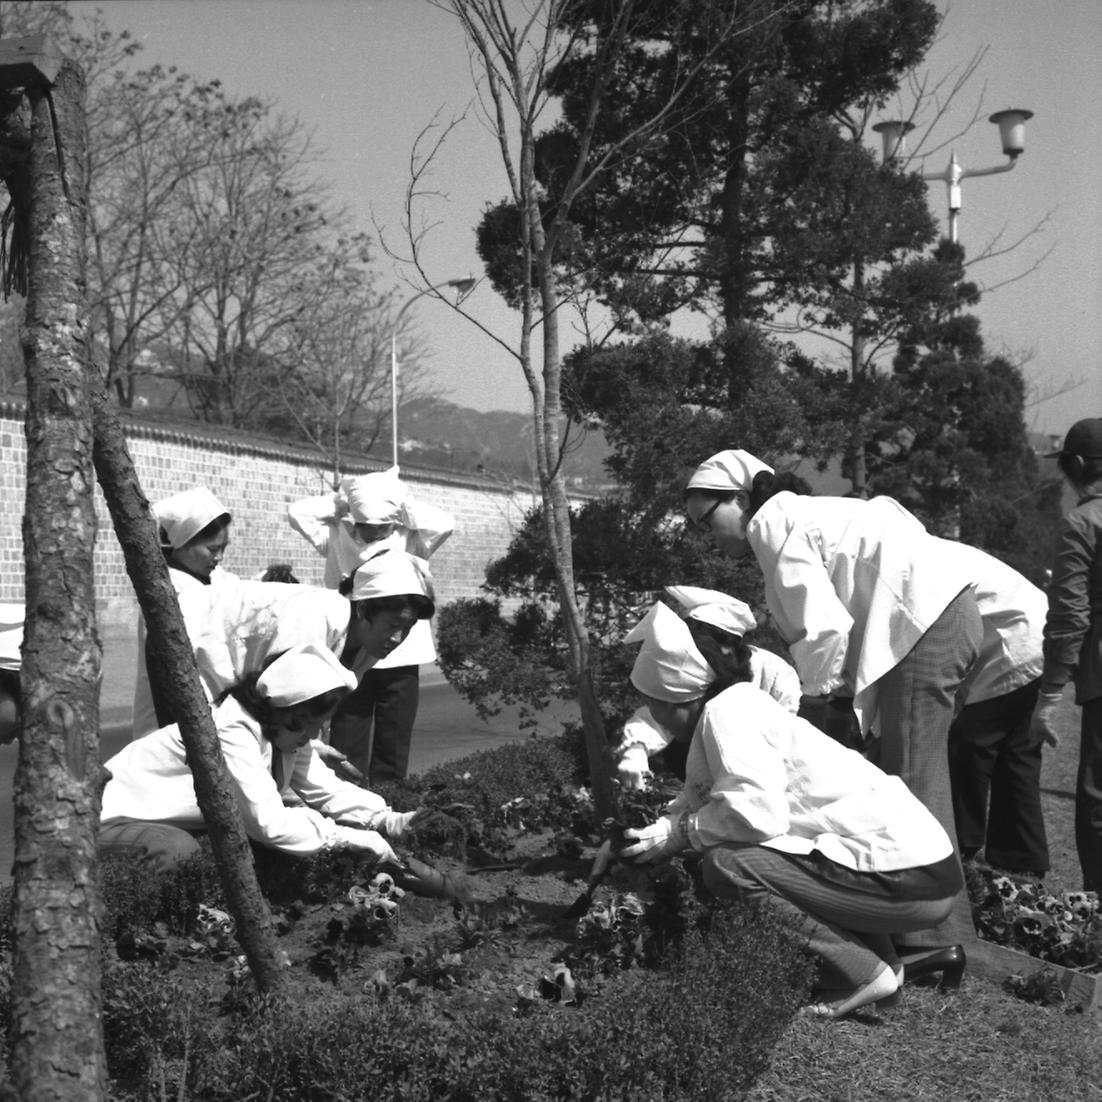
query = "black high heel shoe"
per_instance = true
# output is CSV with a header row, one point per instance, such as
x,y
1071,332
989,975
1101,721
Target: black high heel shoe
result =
x,y
949,961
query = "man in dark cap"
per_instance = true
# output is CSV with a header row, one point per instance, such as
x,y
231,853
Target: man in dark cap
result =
x,y
1073,635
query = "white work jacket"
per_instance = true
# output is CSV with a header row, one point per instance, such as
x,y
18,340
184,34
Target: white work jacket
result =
x,y
757,774
1013,611
198,601
851,585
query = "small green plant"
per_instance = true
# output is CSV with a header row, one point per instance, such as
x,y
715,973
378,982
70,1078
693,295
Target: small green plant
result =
x,y
137,896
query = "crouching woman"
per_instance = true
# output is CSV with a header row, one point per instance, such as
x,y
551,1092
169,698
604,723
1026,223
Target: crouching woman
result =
x,y
265,726
778,809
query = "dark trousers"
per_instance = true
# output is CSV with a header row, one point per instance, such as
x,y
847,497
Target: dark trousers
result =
x,y
992,759
373,726
850,930
1088,796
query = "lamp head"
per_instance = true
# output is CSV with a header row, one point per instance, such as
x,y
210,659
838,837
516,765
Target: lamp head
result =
x,y
893,134
1011,124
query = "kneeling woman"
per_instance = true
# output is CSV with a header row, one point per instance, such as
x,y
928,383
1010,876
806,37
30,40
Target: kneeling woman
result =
x,y
848,855
264,727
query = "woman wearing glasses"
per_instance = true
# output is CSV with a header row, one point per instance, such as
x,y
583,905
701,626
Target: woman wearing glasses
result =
x,y
873,608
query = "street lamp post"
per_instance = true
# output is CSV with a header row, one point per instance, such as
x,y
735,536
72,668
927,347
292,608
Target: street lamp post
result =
x,y
463,288
1011,124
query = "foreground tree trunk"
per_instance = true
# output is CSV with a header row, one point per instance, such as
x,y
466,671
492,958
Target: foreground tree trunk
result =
x,y
56,1028
176,678
57,1039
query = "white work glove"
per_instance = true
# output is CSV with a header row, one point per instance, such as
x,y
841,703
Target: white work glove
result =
x,y
393,823
1042,724
368,841
633,769
662,839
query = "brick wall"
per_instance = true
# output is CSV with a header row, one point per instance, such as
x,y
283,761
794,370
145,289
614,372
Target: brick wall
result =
x,y
256,478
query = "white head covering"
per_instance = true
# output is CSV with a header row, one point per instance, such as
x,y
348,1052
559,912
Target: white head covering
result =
x,y
11,635
729,470
393,573
302,673
710,606
375,498
668,666
183,516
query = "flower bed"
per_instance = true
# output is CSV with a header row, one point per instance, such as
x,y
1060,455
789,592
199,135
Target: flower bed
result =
x,y
1046,947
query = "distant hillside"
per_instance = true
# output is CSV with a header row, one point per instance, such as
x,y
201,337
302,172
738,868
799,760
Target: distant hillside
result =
x,y
499,444
439,433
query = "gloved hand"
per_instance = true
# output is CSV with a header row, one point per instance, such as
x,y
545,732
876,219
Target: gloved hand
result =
x,y
369,841
395,823
1042,724
633,769
662,839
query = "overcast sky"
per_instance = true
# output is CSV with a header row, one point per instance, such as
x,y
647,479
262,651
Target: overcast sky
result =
x,y
369,75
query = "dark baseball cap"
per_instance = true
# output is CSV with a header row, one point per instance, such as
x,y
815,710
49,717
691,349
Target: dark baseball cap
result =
x,y
1084,438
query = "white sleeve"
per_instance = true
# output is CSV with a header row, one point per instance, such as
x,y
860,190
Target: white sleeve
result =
x,y
427,527
775,676
748,799
314,518
301,830
323,790
641,730
802,601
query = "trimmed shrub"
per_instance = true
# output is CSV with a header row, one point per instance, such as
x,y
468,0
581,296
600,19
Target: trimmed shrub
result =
x,y
702,1027
136,896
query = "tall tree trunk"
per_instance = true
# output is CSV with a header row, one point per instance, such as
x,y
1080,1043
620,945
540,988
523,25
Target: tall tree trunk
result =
x,y
858,374
556,511
176,679
57,1039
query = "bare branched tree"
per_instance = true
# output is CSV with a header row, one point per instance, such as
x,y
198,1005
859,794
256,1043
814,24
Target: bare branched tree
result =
x,y
514,51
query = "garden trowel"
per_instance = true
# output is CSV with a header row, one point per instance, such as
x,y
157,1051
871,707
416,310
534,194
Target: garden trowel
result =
x,y
606,855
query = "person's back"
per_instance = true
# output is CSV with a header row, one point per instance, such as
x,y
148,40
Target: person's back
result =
x,y
1013,612
849,579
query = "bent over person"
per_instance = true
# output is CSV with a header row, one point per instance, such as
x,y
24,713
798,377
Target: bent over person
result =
x,y
717,623
873,608
368,514
849,856
265,726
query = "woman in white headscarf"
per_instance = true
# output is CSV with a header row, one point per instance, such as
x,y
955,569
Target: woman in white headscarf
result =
x,y
194,529
777,809
11,663
368,514
873,608
718,623
265,727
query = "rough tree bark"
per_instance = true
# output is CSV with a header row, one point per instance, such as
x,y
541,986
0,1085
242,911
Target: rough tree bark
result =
x,y
56,1036
57,1040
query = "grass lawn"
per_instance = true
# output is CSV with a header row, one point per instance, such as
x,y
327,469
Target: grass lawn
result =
x,y
979,1043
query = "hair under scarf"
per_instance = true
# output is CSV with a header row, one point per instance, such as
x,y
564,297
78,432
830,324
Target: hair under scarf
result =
x,y
668,666
729,470
710,606
303,673
184,515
